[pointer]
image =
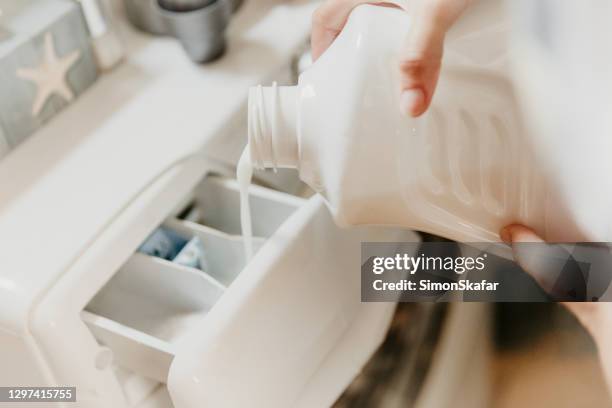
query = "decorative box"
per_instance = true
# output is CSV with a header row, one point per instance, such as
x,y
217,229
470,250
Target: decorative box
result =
x,y
46,61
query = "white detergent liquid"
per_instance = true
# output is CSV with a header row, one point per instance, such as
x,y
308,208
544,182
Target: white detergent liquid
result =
x,y
244,174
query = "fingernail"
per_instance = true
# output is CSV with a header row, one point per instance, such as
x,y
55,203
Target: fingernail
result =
x,y
505,235
411,101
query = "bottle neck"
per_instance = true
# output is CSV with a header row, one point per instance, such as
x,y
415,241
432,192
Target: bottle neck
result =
x,y
272,126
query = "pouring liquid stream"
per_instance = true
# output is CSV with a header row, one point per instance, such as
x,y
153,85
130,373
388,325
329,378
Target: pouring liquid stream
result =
x,y
244,175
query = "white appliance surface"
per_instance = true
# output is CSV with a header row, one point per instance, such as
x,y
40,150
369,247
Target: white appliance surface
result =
x,y
63,186
79,197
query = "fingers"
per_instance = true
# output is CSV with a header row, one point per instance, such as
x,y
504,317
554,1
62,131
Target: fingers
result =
x,y
327,22
421,56
551,266
534,259
329,19
518,233
420,64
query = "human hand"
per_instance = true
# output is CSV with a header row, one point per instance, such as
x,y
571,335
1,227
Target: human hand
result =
x,y
594,316
421,55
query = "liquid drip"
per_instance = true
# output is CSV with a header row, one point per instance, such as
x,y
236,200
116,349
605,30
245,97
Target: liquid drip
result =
x,y
244,175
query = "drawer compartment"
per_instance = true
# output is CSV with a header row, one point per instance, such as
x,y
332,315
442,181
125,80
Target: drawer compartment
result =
x,y
145,309
224,255
290,316
217,201
148,306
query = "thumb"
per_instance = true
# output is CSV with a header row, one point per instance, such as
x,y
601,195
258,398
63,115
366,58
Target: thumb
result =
x,y
553,268
551,265
421,55
594,316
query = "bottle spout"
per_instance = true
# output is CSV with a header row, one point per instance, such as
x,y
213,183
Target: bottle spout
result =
x,y
272,126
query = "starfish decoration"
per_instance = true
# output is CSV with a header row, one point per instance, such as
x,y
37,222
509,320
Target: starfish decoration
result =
x,y
50,76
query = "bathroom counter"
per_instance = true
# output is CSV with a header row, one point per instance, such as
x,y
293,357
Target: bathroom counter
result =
x,y
65,184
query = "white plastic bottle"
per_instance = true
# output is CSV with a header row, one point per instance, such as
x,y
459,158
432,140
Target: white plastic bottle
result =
x,y
463,170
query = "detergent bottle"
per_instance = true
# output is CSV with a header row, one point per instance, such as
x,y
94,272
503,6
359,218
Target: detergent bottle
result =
x,y
463,170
